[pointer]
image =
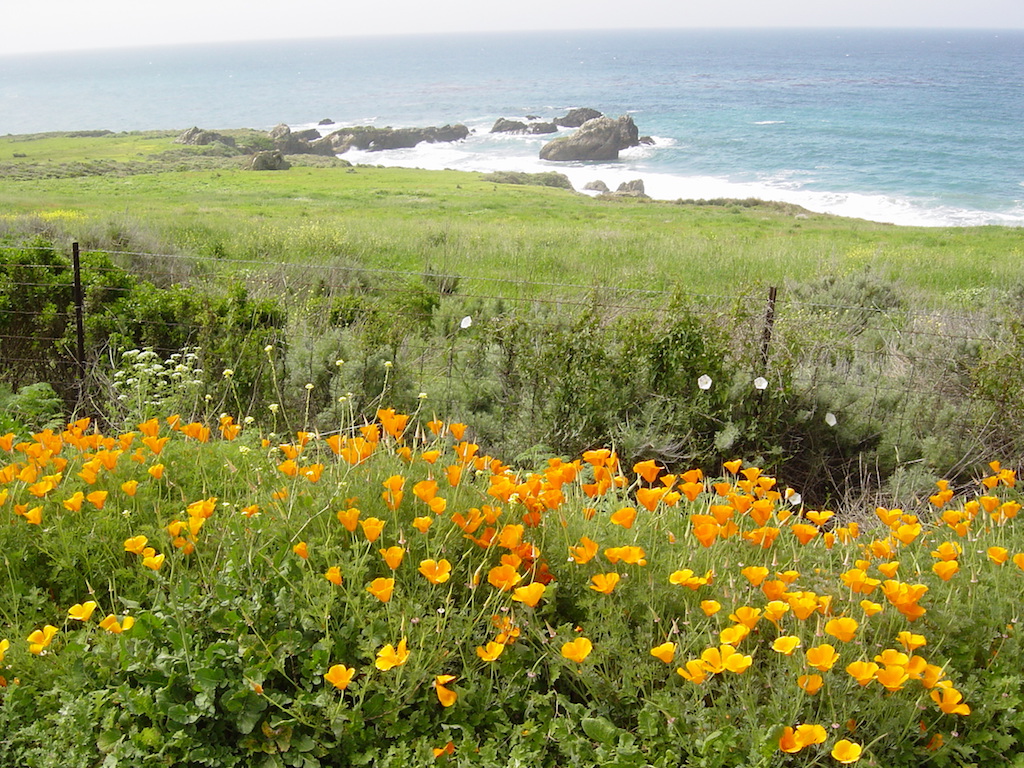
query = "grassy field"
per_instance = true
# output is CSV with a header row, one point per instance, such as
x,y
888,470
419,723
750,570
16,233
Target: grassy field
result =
x,y
140,191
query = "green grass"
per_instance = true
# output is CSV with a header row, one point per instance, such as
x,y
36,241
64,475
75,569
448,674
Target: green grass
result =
x,y
456,222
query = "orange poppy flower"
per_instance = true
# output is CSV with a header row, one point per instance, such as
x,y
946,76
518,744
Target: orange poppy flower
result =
x,y
624,517
340,676
372,528
665,652
381,588
604,582
393,556
436,571
843,629
530,594
445,695
390,657
491,651
822,657
577,650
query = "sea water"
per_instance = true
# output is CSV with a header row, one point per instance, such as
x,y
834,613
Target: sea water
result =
x,y
916,127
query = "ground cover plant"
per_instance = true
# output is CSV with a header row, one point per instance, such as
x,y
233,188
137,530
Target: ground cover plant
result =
x,y
384,593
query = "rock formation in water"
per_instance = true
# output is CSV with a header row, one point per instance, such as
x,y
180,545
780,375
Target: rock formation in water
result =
x,y
600,138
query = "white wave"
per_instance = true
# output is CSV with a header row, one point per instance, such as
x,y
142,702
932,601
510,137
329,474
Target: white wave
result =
x,y
769,122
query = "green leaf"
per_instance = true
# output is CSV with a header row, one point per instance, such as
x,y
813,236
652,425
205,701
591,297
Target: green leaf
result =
x,y
600,729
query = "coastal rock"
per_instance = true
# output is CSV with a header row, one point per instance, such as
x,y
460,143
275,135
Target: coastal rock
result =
x,y
290,142
504,125
269,160
326,121
378,139
198,137
596,186
633,188
646,141
598,139
574,118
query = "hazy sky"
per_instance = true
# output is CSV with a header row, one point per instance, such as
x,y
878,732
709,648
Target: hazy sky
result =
x,y
47,25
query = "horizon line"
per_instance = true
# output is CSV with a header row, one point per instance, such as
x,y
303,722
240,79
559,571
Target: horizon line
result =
x,y
493,32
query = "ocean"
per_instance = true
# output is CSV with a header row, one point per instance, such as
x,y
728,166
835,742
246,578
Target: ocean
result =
x,y
911,127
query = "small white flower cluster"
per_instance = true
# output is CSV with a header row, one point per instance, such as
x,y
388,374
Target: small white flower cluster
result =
x,y
145,384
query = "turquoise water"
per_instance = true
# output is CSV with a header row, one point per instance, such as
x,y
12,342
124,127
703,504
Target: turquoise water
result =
x,y
911,127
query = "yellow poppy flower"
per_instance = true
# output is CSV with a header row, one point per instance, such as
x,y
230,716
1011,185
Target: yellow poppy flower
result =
x,y
530,594
445,695
41,638
710,607
436,571
862,671
381,588
811,684
112,625
135,545
695,671
822,657
491,651
503,577
843,629
910,641
372,528
153,561
946,569
340,676
577,650
665,652
846,751
870,608
393,557
950,701
390,657
585,552
786,644
301,550
333,575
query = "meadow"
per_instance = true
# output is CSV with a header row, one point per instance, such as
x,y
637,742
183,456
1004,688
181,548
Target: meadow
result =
x,y
373,466
386,594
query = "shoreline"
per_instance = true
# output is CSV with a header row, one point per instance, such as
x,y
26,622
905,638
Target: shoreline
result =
x,y
477,154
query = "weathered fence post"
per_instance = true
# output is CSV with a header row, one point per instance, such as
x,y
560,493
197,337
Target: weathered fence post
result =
x,y
79,310
769,323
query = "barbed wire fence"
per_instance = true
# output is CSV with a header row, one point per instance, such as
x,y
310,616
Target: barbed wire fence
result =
x,y
901,369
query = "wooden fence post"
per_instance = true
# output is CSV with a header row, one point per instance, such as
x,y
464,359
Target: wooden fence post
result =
x,y
769,323
79,312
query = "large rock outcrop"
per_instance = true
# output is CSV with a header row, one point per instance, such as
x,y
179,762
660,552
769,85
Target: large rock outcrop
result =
x,y
378,139
596,140
574,118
